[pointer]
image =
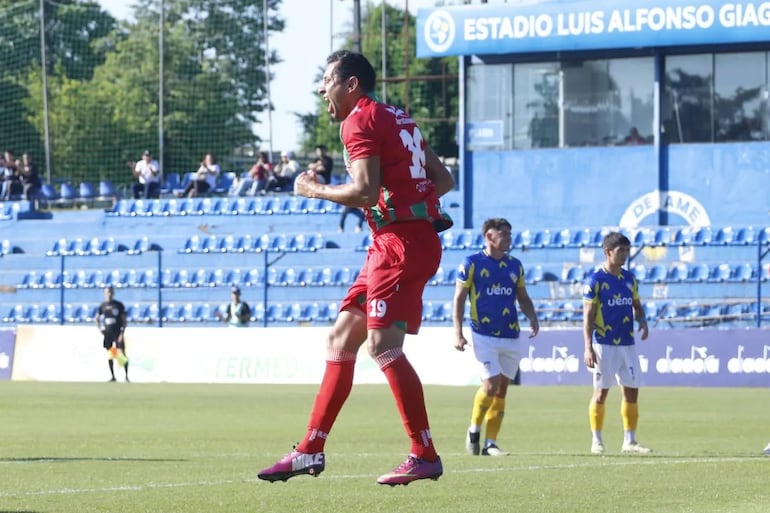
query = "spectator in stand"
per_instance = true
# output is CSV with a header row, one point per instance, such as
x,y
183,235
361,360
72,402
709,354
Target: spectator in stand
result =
x,y
285,172
634,138
237,314
323,164
11,182
30,179
147,174
205,177
255,181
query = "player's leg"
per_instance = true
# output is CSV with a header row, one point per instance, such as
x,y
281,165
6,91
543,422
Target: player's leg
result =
x,y
386,347
488,364
123,358
404,258
629,378
345,338
603,375
509,356
107,344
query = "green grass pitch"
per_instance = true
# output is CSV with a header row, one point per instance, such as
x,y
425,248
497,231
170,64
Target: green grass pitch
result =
x,y
115,447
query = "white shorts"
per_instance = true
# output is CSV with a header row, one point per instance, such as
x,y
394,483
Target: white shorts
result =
x,y
616,364
496,355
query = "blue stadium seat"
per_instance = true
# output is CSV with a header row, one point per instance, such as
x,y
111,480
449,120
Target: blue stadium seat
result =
x,y
50,280
541,239
661,236
234,277
114,279
143,245
66,196
745,236
47,195
120,208
656,274
148,279
171,181
561,238
702,236
741,273
316,206
15,314
86,193
597,237
580,239
764,236
30,280
698,273
534,274
184,182
193,245
60,248
226,181
573,274
723,237
253,277
682,236
719,273
642,236
96,279
244,207
677,273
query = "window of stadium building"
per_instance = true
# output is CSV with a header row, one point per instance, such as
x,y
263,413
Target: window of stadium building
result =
x,y
716,98
562,104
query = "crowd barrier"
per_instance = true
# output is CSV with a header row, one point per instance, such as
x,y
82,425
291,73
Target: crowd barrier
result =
x,y
689,357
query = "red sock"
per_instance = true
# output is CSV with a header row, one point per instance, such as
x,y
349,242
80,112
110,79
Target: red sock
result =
x,y
407,391
334,390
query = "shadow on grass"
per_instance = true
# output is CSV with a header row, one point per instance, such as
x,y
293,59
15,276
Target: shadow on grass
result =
x,y
64,459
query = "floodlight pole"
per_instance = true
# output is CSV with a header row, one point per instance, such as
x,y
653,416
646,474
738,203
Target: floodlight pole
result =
x,y
161,46
44,80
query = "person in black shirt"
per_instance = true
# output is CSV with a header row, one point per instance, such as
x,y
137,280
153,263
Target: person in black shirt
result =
x,y
111,321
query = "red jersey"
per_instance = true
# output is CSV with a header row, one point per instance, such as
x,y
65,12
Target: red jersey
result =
x,y
377,129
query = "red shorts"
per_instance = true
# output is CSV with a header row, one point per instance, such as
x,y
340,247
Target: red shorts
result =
x,y
402,258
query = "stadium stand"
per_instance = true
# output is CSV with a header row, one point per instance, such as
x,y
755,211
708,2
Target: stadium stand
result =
x,y
173,260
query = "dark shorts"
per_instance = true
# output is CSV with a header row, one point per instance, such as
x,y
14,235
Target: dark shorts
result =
x,y
400,261
111,339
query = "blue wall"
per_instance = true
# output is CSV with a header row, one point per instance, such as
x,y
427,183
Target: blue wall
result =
x,y
712,184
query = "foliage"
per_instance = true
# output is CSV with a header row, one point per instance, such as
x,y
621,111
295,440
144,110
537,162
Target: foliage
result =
x,y
432,102
104,82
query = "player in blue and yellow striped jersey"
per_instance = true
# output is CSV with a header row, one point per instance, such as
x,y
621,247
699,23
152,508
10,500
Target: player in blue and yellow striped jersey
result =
x,y
610,305
494,280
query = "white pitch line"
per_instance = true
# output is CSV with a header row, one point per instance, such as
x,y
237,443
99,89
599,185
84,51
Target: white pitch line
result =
x,y
600,463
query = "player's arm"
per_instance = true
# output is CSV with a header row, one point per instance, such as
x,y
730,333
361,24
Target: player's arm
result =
x,y
123,323
528,309
641,318
589,317
363,189
438,173
98,319
458,312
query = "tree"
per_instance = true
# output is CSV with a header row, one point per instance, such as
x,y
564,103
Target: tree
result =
x,y
430,95
213,90
71,27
